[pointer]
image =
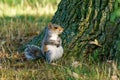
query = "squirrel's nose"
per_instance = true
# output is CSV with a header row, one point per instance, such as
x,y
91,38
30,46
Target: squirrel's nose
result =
x,y
61,31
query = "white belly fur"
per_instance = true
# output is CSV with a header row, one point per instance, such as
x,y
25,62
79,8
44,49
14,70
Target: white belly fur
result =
x,y
53,37
56,52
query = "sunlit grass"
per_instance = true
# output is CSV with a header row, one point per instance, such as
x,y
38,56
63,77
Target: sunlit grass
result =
x,y
27,8
7,10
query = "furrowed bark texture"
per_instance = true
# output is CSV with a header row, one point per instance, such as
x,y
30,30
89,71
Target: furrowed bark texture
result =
x,y
84,21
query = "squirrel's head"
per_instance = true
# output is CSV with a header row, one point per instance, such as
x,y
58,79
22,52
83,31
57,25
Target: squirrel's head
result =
x,y
55,29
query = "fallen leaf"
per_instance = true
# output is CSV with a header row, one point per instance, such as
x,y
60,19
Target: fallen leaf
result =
x,y
1,66
114,77
95,42
75,64
75,75
54,64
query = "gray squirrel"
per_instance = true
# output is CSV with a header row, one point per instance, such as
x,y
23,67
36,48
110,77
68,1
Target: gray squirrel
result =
x,y
51,48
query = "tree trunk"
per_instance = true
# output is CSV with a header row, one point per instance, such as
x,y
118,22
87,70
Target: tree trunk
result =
x,y
85,22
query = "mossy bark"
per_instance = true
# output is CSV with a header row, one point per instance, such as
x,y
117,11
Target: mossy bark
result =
x,y
84,21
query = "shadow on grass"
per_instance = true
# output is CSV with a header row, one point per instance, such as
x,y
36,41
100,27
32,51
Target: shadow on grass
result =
x,y
26,18
18,30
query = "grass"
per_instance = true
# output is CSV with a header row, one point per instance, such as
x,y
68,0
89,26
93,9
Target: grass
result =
x,y
27,21
14,67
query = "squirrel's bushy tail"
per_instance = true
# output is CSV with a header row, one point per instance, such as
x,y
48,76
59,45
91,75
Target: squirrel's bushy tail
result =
x,y
33,52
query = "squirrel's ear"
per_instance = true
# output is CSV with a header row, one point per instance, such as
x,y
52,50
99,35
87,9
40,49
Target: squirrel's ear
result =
x,y
49,25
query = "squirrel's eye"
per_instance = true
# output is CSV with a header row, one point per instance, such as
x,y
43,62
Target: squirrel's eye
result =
x,y
56,27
